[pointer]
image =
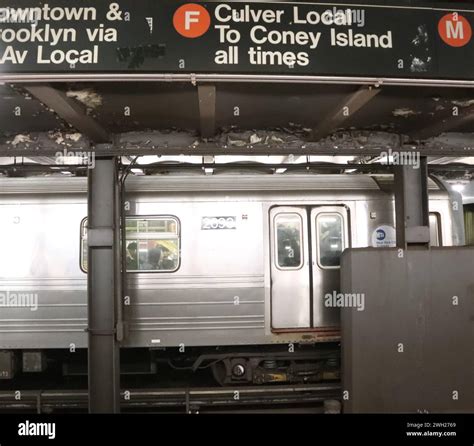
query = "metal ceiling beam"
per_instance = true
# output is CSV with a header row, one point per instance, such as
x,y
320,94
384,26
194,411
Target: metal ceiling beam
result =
x,y
445,124
215,78
345,110
452,167
185,143
207,110
216,149
70,110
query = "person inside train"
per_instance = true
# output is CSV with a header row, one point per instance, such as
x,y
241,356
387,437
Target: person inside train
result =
x,y
154,258
132,256
168,262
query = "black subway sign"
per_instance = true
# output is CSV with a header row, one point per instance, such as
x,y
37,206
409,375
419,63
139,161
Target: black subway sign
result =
x,y
234,37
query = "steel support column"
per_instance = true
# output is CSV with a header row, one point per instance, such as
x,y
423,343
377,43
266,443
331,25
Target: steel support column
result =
x,y
411,205
103,289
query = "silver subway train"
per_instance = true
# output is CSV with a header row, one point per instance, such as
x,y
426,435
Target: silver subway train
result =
x,y
227,261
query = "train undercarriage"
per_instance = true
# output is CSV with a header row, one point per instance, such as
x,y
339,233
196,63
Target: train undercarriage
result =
x,y
225,366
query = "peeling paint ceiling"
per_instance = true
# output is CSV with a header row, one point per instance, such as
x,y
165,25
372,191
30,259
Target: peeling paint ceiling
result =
x,y
127,107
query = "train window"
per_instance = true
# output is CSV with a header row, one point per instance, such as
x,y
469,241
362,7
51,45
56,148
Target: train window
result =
x,y
289,240
469,223
435,235
83,247
330,237
153,244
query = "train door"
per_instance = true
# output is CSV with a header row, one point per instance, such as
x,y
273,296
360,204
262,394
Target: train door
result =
x,y
306,244
330,236
290,270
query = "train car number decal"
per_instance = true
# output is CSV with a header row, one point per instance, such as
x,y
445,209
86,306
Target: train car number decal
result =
x,y
210,223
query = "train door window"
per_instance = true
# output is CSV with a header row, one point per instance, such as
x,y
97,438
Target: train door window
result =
x,y
469,223
83,247
330,236
289,240
435,229
153,244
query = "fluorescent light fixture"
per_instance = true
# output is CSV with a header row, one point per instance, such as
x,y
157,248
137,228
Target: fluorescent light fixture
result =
x,y
458,187
386,159
66,160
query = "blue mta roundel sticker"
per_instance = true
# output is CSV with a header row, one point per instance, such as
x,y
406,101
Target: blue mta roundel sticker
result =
x,y
384,236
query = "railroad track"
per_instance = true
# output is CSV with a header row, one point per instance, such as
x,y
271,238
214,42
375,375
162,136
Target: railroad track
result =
x,y
189,400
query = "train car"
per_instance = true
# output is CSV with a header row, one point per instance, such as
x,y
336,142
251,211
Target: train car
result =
x,y
233,272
